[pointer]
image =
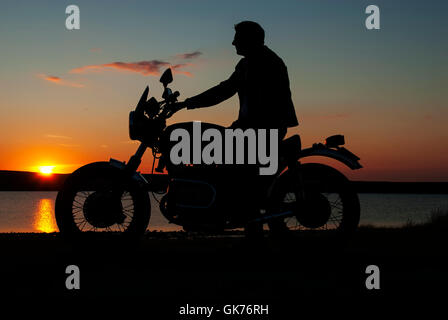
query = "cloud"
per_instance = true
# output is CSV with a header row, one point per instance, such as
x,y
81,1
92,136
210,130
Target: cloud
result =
x,y
60,81
146,67
56,136
179,66
187,56
66,145
53,79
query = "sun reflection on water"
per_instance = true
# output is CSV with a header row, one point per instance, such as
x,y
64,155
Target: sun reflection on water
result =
x,y
44,220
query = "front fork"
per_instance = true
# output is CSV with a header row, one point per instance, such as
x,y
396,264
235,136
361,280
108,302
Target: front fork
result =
x,y
130,169
136,159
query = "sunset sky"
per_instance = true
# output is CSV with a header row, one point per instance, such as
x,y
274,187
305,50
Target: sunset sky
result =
x,y
65,95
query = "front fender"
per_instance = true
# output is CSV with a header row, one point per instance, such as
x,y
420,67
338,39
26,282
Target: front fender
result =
x,y
341,154
103,165
137,176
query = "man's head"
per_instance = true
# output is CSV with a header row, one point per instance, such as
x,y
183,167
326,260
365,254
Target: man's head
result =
x,y
249,37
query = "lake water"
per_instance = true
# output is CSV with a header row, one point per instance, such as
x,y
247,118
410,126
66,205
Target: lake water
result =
x,y
34,211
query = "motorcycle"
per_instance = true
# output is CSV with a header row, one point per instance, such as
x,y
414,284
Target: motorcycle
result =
x,y
114,197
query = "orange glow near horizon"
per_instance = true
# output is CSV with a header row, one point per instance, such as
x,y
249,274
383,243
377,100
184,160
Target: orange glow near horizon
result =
x,y
46,170
387,153
404,160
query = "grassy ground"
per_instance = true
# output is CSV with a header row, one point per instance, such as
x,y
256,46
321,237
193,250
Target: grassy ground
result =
x,y
179,268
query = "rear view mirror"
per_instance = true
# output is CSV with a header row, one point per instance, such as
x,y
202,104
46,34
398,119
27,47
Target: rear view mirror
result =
x,y
167,77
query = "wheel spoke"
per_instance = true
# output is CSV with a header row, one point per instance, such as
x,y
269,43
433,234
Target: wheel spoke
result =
x,y
128,206
82,225
128,214
78,210
81,204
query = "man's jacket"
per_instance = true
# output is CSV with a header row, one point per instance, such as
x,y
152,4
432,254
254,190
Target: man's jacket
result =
x,y
262,84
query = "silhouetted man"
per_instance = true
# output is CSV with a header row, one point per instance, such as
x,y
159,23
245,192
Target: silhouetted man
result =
x,y
261,81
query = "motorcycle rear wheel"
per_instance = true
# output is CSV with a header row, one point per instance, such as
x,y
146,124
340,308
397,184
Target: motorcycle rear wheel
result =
x,y
101,198
330,203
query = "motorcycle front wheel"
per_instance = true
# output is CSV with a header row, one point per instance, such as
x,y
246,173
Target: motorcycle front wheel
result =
x,y
101,198
320,200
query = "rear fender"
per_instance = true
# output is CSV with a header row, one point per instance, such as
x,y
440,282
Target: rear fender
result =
x,y
340,153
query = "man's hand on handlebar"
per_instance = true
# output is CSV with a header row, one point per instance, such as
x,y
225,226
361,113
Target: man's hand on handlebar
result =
x,y
178,106
172,108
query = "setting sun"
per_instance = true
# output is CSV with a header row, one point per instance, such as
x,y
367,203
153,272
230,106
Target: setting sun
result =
x,y
46,170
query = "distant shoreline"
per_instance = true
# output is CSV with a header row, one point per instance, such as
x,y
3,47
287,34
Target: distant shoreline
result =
x,y
33,181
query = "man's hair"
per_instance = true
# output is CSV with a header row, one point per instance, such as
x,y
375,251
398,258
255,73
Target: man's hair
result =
x,y
251,31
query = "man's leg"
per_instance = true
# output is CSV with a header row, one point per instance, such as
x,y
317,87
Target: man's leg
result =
x,y
253,230
258,199
277,227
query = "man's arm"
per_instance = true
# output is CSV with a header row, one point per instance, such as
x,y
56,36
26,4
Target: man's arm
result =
x,y
215,95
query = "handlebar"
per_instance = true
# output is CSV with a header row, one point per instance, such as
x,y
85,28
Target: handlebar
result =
x,y
161,110
176,94
170,109
171,104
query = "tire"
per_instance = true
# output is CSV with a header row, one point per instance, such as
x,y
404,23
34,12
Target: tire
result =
x,y
331,204
101,198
